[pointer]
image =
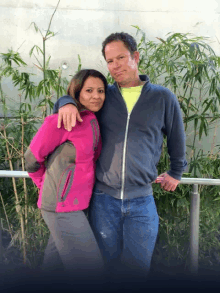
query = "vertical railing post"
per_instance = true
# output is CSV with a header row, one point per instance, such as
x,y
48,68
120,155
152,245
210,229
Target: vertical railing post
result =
x,y
194,230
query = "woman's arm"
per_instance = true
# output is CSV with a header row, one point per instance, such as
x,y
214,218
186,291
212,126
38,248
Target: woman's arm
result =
x,y
44,142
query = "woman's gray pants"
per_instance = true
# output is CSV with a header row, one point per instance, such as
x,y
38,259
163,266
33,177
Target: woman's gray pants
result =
x,y
75,245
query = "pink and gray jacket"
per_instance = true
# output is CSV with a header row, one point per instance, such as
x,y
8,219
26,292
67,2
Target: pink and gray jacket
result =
x,y
62,163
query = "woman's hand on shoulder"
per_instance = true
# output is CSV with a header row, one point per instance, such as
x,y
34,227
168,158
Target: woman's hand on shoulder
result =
x,y
68,114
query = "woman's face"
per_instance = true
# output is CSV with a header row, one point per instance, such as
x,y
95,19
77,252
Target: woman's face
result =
x,y
92,94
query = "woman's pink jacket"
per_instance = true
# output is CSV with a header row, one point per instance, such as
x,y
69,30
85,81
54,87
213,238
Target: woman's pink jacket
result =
x,y
62,163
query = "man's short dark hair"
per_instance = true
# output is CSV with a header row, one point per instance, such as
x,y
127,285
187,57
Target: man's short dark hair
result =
x,y
127,39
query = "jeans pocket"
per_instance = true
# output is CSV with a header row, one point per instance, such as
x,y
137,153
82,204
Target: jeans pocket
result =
x,y
98,191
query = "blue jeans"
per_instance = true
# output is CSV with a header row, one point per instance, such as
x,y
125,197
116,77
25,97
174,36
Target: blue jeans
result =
x,y
126,231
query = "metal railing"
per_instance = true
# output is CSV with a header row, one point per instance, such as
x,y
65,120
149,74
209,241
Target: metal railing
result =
x,y
194,211
194,218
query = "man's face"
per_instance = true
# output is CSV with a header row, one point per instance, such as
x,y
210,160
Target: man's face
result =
x,y
122,66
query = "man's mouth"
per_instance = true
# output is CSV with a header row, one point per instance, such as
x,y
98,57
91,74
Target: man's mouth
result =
x,y
119,73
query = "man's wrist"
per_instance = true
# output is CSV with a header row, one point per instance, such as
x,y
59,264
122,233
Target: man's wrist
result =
x,y
68,103
174,175
62,102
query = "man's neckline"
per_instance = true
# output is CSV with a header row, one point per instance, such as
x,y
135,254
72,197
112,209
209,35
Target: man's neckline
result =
x,y
140,85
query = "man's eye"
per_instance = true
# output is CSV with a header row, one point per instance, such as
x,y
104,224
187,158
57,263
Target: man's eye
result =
x,y
109,62
121,57
101,91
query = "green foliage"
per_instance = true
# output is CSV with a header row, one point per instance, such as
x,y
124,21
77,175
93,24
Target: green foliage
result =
x,y
189,67
172,247
25,225
109,78
20,79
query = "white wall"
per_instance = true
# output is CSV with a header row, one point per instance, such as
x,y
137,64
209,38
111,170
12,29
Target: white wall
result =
x,y
83,25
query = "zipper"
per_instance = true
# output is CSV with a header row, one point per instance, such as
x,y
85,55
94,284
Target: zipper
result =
x,y
63,197
124,157
63,192
125,144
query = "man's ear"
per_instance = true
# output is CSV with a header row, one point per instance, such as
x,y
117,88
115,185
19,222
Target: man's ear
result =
x,y
136,56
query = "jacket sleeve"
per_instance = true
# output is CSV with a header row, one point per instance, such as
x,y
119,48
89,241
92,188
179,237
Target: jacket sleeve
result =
x,y
44,142
62,102
176,138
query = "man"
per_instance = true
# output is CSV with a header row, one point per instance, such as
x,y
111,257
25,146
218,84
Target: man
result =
x,y
135,116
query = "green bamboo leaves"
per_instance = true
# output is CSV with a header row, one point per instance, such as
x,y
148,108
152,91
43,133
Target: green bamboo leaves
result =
x,y
189,67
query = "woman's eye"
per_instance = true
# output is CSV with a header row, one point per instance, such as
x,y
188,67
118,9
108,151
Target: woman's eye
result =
x,y
89,91
121,57
101,91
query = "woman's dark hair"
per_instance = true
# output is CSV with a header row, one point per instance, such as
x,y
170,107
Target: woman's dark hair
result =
x,y
76,84
127,39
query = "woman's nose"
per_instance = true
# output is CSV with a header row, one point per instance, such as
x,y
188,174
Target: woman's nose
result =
x,y
96,94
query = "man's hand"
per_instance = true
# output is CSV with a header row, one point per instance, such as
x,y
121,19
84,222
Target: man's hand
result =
x,y
167,182
68,114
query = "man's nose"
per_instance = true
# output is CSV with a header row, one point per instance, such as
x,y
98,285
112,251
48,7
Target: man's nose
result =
x,y
116,64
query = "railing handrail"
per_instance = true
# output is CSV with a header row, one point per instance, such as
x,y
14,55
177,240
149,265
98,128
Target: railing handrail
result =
x,y
184,180
16,174
200,181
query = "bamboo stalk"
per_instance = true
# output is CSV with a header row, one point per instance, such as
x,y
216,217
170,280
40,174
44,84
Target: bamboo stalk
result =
x,y
52,18
214,139
7,141
9,228
23,169
44,74
44,56
17,205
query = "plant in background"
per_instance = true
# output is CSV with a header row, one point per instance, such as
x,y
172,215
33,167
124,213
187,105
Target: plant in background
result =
x,y
18,201
109,78
51,78
189,67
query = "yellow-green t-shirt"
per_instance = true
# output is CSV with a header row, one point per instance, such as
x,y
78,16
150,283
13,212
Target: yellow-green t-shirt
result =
x,y
131,95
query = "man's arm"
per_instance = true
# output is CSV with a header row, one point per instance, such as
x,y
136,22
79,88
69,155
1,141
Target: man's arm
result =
x,y
176,143
67,112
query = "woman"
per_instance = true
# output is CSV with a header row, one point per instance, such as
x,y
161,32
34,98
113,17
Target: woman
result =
x,y
66,182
